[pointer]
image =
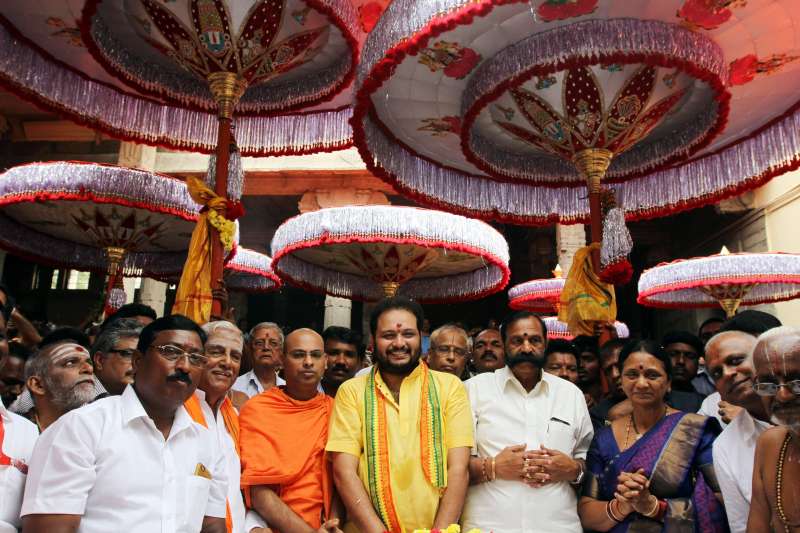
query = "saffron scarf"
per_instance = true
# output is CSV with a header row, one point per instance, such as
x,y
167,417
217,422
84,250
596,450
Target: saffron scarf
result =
x,y
432,445
231,420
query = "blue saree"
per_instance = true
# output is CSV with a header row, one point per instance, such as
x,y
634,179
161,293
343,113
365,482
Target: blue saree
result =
x,y
675,455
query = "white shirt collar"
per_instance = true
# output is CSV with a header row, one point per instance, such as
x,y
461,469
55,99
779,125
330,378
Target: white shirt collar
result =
x,y
132,409
505,377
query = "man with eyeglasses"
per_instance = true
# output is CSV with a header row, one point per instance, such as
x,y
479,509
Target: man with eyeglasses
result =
x,y
266,349
136,462
449,350
113,355
776,473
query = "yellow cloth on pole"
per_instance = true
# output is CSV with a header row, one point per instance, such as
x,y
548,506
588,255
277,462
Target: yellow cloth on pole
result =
x,y
585,299
193,297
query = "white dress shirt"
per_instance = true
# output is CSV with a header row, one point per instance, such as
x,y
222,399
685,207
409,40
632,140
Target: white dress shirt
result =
x,y
19,438
734,453
710,408
249,383
554,413
108,462
232,462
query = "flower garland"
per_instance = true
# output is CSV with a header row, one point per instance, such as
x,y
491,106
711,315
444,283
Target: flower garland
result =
x,y
226,229
452,528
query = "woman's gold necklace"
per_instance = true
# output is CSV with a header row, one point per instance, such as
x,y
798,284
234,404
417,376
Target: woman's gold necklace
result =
x,y
632,422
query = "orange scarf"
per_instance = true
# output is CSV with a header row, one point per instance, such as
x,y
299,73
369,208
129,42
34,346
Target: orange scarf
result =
x,y
283,442
231,420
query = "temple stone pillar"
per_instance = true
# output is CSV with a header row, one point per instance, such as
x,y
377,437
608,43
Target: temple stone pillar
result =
x,y
337,311
137,156
154,294
129,284
569,239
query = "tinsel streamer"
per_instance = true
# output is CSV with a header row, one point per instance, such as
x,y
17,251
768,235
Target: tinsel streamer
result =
x,y
537,295
559,330
615,248
58,88
587,43
399,225
678,284
235,174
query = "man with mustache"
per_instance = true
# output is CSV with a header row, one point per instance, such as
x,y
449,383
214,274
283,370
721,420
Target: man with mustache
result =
x,y
487,351
776,473
136,462
532,432
212,406
12,372
728,356
266,348
113,354
286,474
345,352
449,350
400,469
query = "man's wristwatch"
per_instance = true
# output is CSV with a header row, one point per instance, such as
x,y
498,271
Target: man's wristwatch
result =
x,y
579,479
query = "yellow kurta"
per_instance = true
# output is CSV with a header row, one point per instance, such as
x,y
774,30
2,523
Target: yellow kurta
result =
x,y
415,499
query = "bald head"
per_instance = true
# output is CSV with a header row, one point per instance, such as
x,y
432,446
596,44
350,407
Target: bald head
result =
x,y
303,337
729,363
776,359
304,362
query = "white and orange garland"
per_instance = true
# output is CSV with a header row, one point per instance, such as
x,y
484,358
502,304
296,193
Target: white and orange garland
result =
x,y
351,251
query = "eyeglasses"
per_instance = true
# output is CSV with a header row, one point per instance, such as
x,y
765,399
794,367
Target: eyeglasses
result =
x,y
261,343
219,353
172,353
125,354
444,350
771,389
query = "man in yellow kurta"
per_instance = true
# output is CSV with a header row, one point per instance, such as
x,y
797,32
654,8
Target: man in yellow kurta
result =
x,y
400,435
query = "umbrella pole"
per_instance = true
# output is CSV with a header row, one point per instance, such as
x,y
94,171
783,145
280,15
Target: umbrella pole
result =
x,y
115,256
227,88
593,163
729,296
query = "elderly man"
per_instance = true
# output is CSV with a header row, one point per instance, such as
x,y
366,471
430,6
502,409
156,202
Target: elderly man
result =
x,y
285,470
729,361
532,432
212,406
561,359
135,462
449,350
400,469
17,438
776,473
113,351
266,348
487,351
345,352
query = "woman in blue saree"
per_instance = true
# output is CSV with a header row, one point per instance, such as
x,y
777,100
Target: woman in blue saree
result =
x,y
651,471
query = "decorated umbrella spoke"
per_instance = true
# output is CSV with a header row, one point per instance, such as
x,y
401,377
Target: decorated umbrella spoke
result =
x,y
369,252
96,217
727,280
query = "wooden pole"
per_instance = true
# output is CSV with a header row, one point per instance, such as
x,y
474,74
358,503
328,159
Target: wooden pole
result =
x,y
593,164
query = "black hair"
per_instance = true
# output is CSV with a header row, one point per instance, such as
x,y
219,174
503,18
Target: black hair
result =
x,y
562,346
516,316
19,350
708,321
647,346
396,302
10,302
684,337
65,334
346,336
608,348
129,311
751,321
167,323
587,343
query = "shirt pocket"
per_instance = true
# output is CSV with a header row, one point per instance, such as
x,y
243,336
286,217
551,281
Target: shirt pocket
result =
x,y
197,490
561,436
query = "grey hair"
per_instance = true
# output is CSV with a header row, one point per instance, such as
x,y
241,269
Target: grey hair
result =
x,y
122,328
37,365
268,325
450,327
221,325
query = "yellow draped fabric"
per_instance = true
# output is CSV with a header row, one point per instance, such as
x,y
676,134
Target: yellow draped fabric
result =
x,y
193,298
585,299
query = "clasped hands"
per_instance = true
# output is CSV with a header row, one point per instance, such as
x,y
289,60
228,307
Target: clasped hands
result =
x,y
633,493
535,468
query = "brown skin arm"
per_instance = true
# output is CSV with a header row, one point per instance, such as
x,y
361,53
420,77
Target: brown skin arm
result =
x,y
457,483
238,398
30,337
212,524
276,513
760,511
507,465
51,523
353,494
593,514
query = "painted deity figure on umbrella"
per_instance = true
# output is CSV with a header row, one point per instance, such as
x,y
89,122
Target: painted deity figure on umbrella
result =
x,y
401,434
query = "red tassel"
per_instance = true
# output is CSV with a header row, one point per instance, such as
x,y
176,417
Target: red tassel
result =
x,y
618,273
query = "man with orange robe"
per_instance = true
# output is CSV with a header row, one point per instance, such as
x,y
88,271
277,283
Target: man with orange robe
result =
x,y
286,476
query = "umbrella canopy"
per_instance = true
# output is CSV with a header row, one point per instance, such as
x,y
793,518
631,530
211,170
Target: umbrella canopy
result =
x,y
559,330
248,271
536,295
367,252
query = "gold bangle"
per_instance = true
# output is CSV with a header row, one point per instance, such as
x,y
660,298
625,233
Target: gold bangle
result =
x,y
494,473
654,511
610,511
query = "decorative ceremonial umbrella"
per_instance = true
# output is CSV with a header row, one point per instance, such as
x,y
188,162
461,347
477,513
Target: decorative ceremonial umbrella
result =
x,y
367,252
507,110
726,279
537,295
96,217
248,271
559,330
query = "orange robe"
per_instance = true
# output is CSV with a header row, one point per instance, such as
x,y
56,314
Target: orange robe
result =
x,y
282,443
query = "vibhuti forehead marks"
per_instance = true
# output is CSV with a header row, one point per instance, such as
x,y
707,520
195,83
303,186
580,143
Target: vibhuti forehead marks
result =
x,y
68,349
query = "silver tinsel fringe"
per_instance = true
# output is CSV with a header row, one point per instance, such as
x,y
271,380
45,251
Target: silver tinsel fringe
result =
x,y
545,287
617,242
559,330
235,175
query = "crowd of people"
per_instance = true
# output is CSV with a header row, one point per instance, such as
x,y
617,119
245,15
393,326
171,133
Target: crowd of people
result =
x,y
160,424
